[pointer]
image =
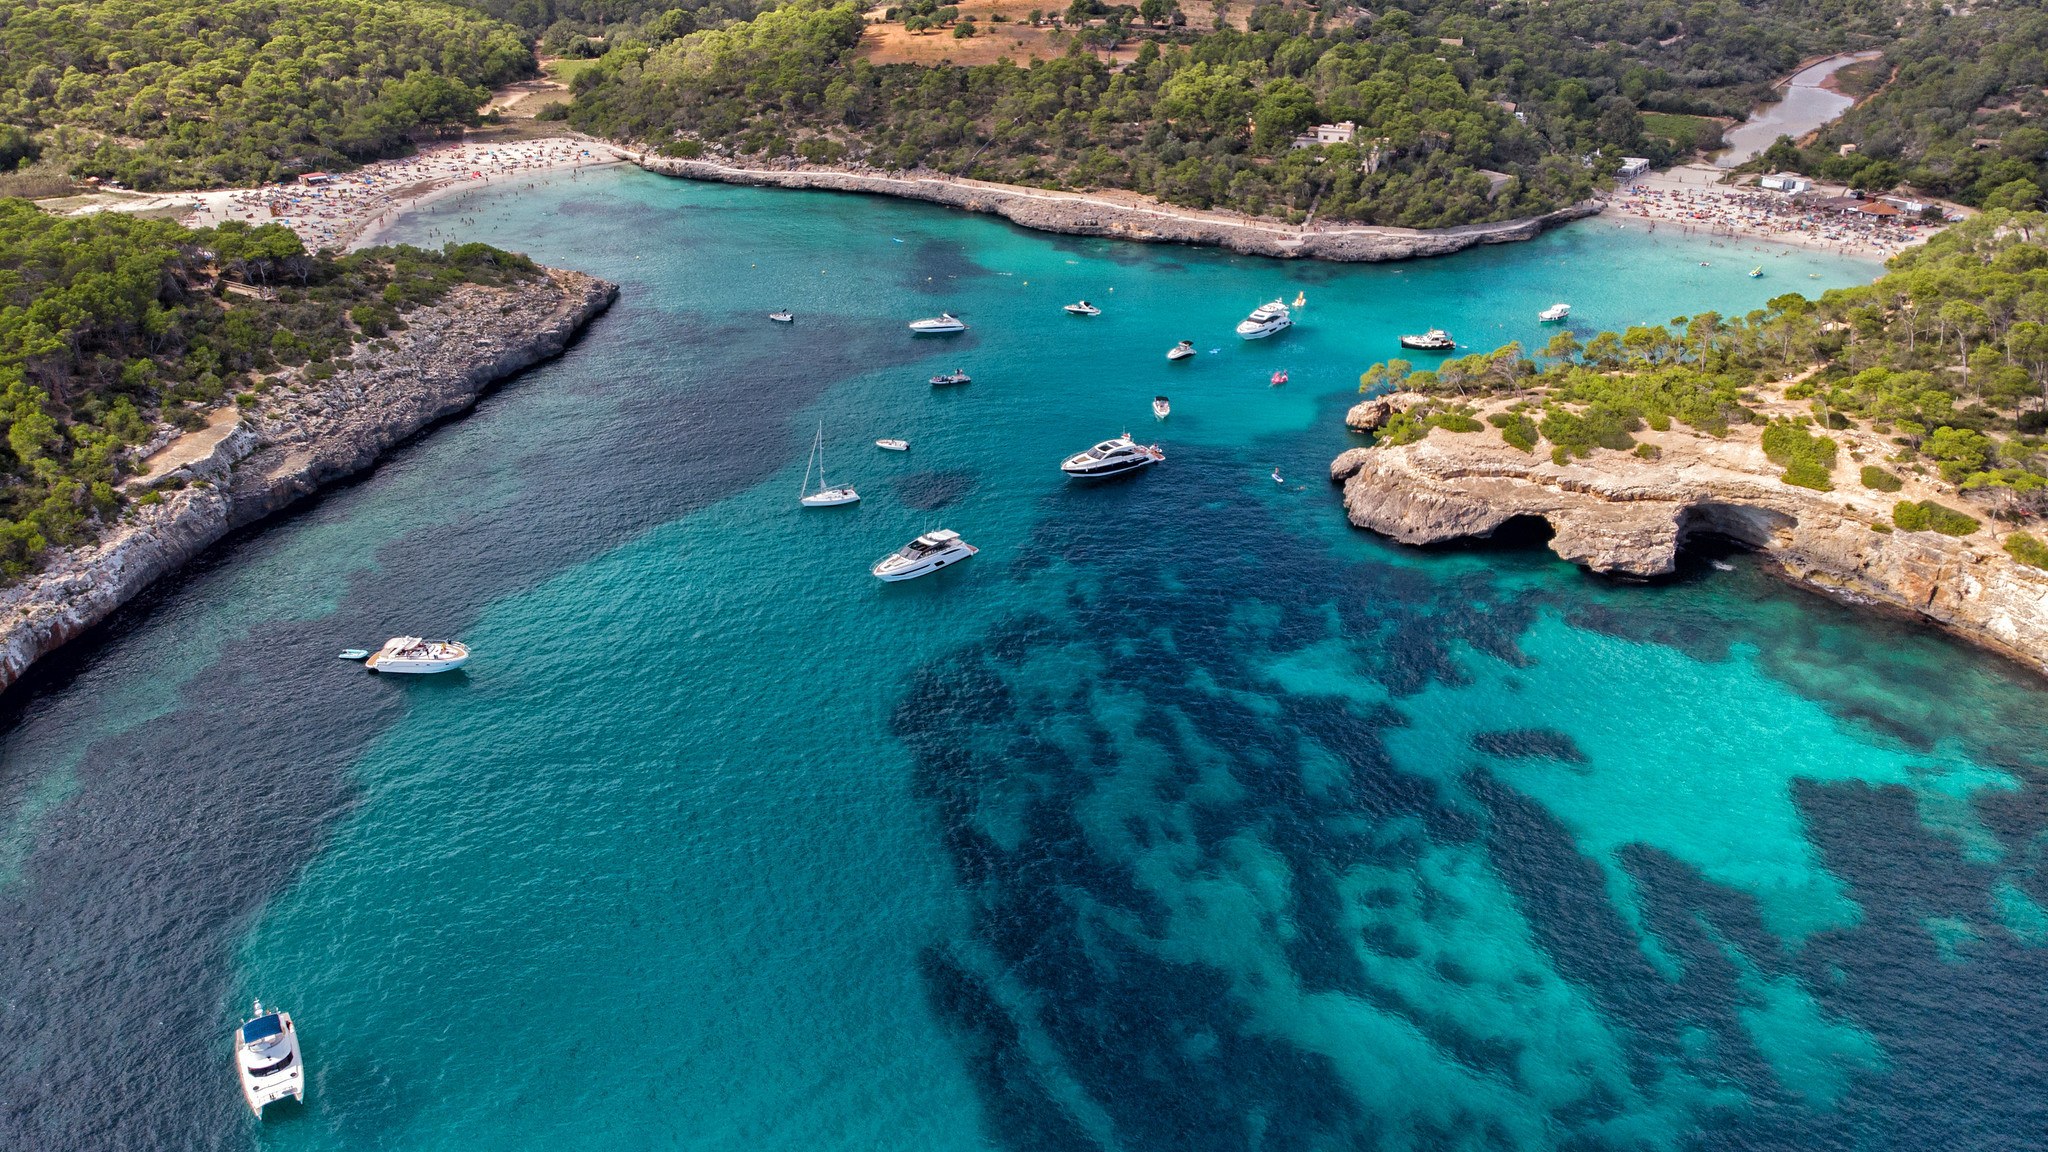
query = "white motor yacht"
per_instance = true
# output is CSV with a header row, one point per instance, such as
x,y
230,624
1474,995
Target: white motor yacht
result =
x,y
1181,351
942,324
1112,458
1554,313
1083,308
414,655
1265,320
1434,340
1160,408
924,556
267,1059
891,445
824,497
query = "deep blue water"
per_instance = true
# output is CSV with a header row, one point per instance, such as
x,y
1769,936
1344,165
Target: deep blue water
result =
x,y
1184,816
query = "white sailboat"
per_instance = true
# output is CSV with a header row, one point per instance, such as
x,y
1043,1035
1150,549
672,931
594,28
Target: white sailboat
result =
x,y
824,497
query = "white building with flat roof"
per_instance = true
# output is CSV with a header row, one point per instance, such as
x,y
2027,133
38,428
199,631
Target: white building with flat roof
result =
x,y
1632,167
1339,133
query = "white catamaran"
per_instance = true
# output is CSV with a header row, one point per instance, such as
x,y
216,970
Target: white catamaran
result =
x,y
824,497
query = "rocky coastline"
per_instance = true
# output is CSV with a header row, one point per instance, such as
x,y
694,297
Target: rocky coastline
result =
x,y
1080,214
302,435
1628,515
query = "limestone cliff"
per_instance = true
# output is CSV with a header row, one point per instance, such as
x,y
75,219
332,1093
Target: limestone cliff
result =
x,y
1628,515
301,436
1129,217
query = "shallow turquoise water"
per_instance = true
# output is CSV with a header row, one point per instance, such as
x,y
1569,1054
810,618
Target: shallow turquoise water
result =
x,y
1184,815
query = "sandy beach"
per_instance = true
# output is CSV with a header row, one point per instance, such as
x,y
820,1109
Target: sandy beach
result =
x,y
1691,200
351,209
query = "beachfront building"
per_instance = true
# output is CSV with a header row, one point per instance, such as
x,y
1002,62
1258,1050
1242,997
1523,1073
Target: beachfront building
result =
x,y
1785,182
1632,167
1338,133
1905,204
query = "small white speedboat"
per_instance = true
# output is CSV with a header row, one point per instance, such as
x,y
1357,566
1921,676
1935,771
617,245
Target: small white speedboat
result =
x,y
1265,320
923,556
940,325
267,1059
1160,408
413,655
824,497
1112,458
893,445
1181,351
783,317
1554,313
956,376
1083,308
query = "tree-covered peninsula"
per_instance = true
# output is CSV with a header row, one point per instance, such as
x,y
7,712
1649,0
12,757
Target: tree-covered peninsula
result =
x,y
1463,112
201,93
1945,358
112,327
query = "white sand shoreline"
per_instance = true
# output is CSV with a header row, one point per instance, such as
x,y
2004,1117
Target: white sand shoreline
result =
x,y
352,209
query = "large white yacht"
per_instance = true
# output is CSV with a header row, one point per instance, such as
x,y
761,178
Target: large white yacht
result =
x,y
1265,320
1112,458
267,1059
414,655
924,556
943,323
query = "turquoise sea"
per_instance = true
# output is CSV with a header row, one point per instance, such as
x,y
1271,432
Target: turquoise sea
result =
x,y
1183,817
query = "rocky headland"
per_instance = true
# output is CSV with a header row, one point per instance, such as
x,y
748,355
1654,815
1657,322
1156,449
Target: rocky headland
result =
x,y
1129,217
302,434
1628,514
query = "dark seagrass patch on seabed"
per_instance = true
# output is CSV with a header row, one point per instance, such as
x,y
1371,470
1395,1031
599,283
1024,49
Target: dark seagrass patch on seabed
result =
x,y
1529,744
933,489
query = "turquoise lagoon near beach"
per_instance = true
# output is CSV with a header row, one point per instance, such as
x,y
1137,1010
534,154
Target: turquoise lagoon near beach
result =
x,y
1183,816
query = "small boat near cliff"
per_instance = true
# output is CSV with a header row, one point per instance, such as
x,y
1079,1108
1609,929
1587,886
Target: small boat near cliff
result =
x,y
267,1059
1554,313
413,655
945,323
923,556
1434,340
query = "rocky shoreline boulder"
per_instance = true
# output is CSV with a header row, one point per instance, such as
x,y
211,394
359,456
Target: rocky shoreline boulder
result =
x,y
1629,515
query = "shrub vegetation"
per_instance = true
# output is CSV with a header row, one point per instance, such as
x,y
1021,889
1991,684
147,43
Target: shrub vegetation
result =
x,y
110,324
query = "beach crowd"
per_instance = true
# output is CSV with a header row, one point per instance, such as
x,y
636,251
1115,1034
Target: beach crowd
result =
x,y
1750,213
341,210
